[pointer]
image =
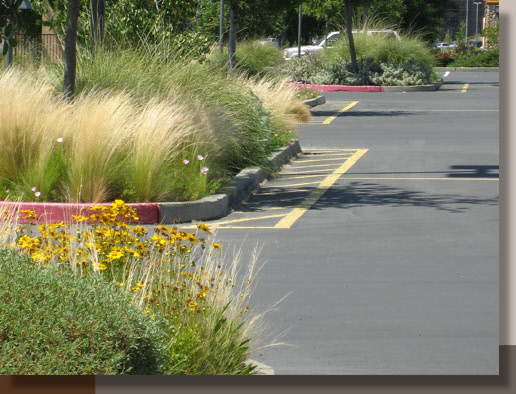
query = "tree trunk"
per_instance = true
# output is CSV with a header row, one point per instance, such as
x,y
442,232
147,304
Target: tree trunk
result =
x,y
349,33
70,52
232,36
365,15
97,20
326,26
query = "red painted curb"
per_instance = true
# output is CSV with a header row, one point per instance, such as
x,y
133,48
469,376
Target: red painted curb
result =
x,y
338,88
55,212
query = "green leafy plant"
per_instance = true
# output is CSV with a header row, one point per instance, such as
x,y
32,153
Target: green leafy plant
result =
x,y
55,323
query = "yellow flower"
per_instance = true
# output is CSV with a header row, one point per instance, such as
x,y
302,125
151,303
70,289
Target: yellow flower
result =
x,y
216,246
192,305
29,214
204,228
115,254
137,286
80,218
192,238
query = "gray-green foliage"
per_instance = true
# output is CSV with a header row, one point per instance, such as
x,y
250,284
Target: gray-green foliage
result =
x,y
406,74
57,323
313,69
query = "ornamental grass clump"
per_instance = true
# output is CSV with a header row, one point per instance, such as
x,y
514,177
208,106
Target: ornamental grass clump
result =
x,y
179,278
103,146
31,121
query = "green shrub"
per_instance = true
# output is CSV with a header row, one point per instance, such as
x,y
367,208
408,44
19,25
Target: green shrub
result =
x,y
256,58
481,59
406,74
309,69
56,323
313,69
383,49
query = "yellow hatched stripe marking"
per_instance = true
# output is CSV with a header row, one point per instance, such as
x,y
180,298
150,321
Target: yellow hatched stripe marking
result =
x,y
299,177
282,192
306,172
421,179
325,154
216,224
270,209
332,118
313,166
306,204
318,160
292,185
465,88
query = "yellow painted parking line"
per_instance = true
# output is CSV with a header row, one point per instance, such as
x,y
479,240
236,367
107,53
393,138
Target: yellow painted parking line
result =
x,y
420,179
291,178
465,88
289,220
292,185
318,160
317,154
332,118
216,224
313,166
269,209
306,172
283,192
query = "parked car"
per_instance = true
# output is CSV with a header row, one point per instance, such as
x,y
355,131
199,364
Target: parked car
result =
x,y
443,46
330,40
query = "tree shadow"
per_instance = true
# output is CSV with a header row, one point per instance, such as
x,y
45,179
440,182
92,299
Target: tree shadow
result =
x,y
362,113
360,194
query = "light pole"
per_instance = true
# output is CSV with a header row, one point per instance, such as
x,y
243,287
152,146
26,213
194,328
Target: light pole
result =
x,y
299,30
467,17
476,21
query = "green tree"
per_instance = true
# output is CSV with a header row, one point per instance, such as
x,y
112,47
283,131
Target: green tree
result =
x,y
492,34
9,14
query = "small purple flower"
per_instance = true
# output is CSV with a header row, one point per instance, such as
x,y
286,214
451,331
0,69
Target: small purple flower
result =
x,y
186,161
204,170
33,189
200,157
37,194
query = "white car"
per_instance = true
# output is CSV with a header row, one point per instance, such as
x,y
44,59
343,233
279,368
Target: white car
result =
x,y
270,41
322,43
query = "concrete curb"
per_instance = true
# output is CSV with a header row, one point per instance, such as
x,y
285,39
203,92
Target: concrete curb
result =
x,y
348,88
261,368
218,205
315,101
55,212
467,69
416,88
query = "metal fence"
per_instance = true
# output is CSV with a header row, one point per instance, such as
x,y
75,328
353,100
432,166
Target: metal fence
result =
x,y
37,48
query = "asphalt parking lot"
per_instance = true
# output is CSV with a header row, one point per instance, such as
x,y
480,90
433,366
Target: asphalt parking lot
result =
x,y
383,235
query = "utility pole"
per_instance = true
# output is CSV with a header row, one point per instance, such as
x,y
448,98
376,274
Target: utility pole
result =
x,y
467,17
299,30
476,22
